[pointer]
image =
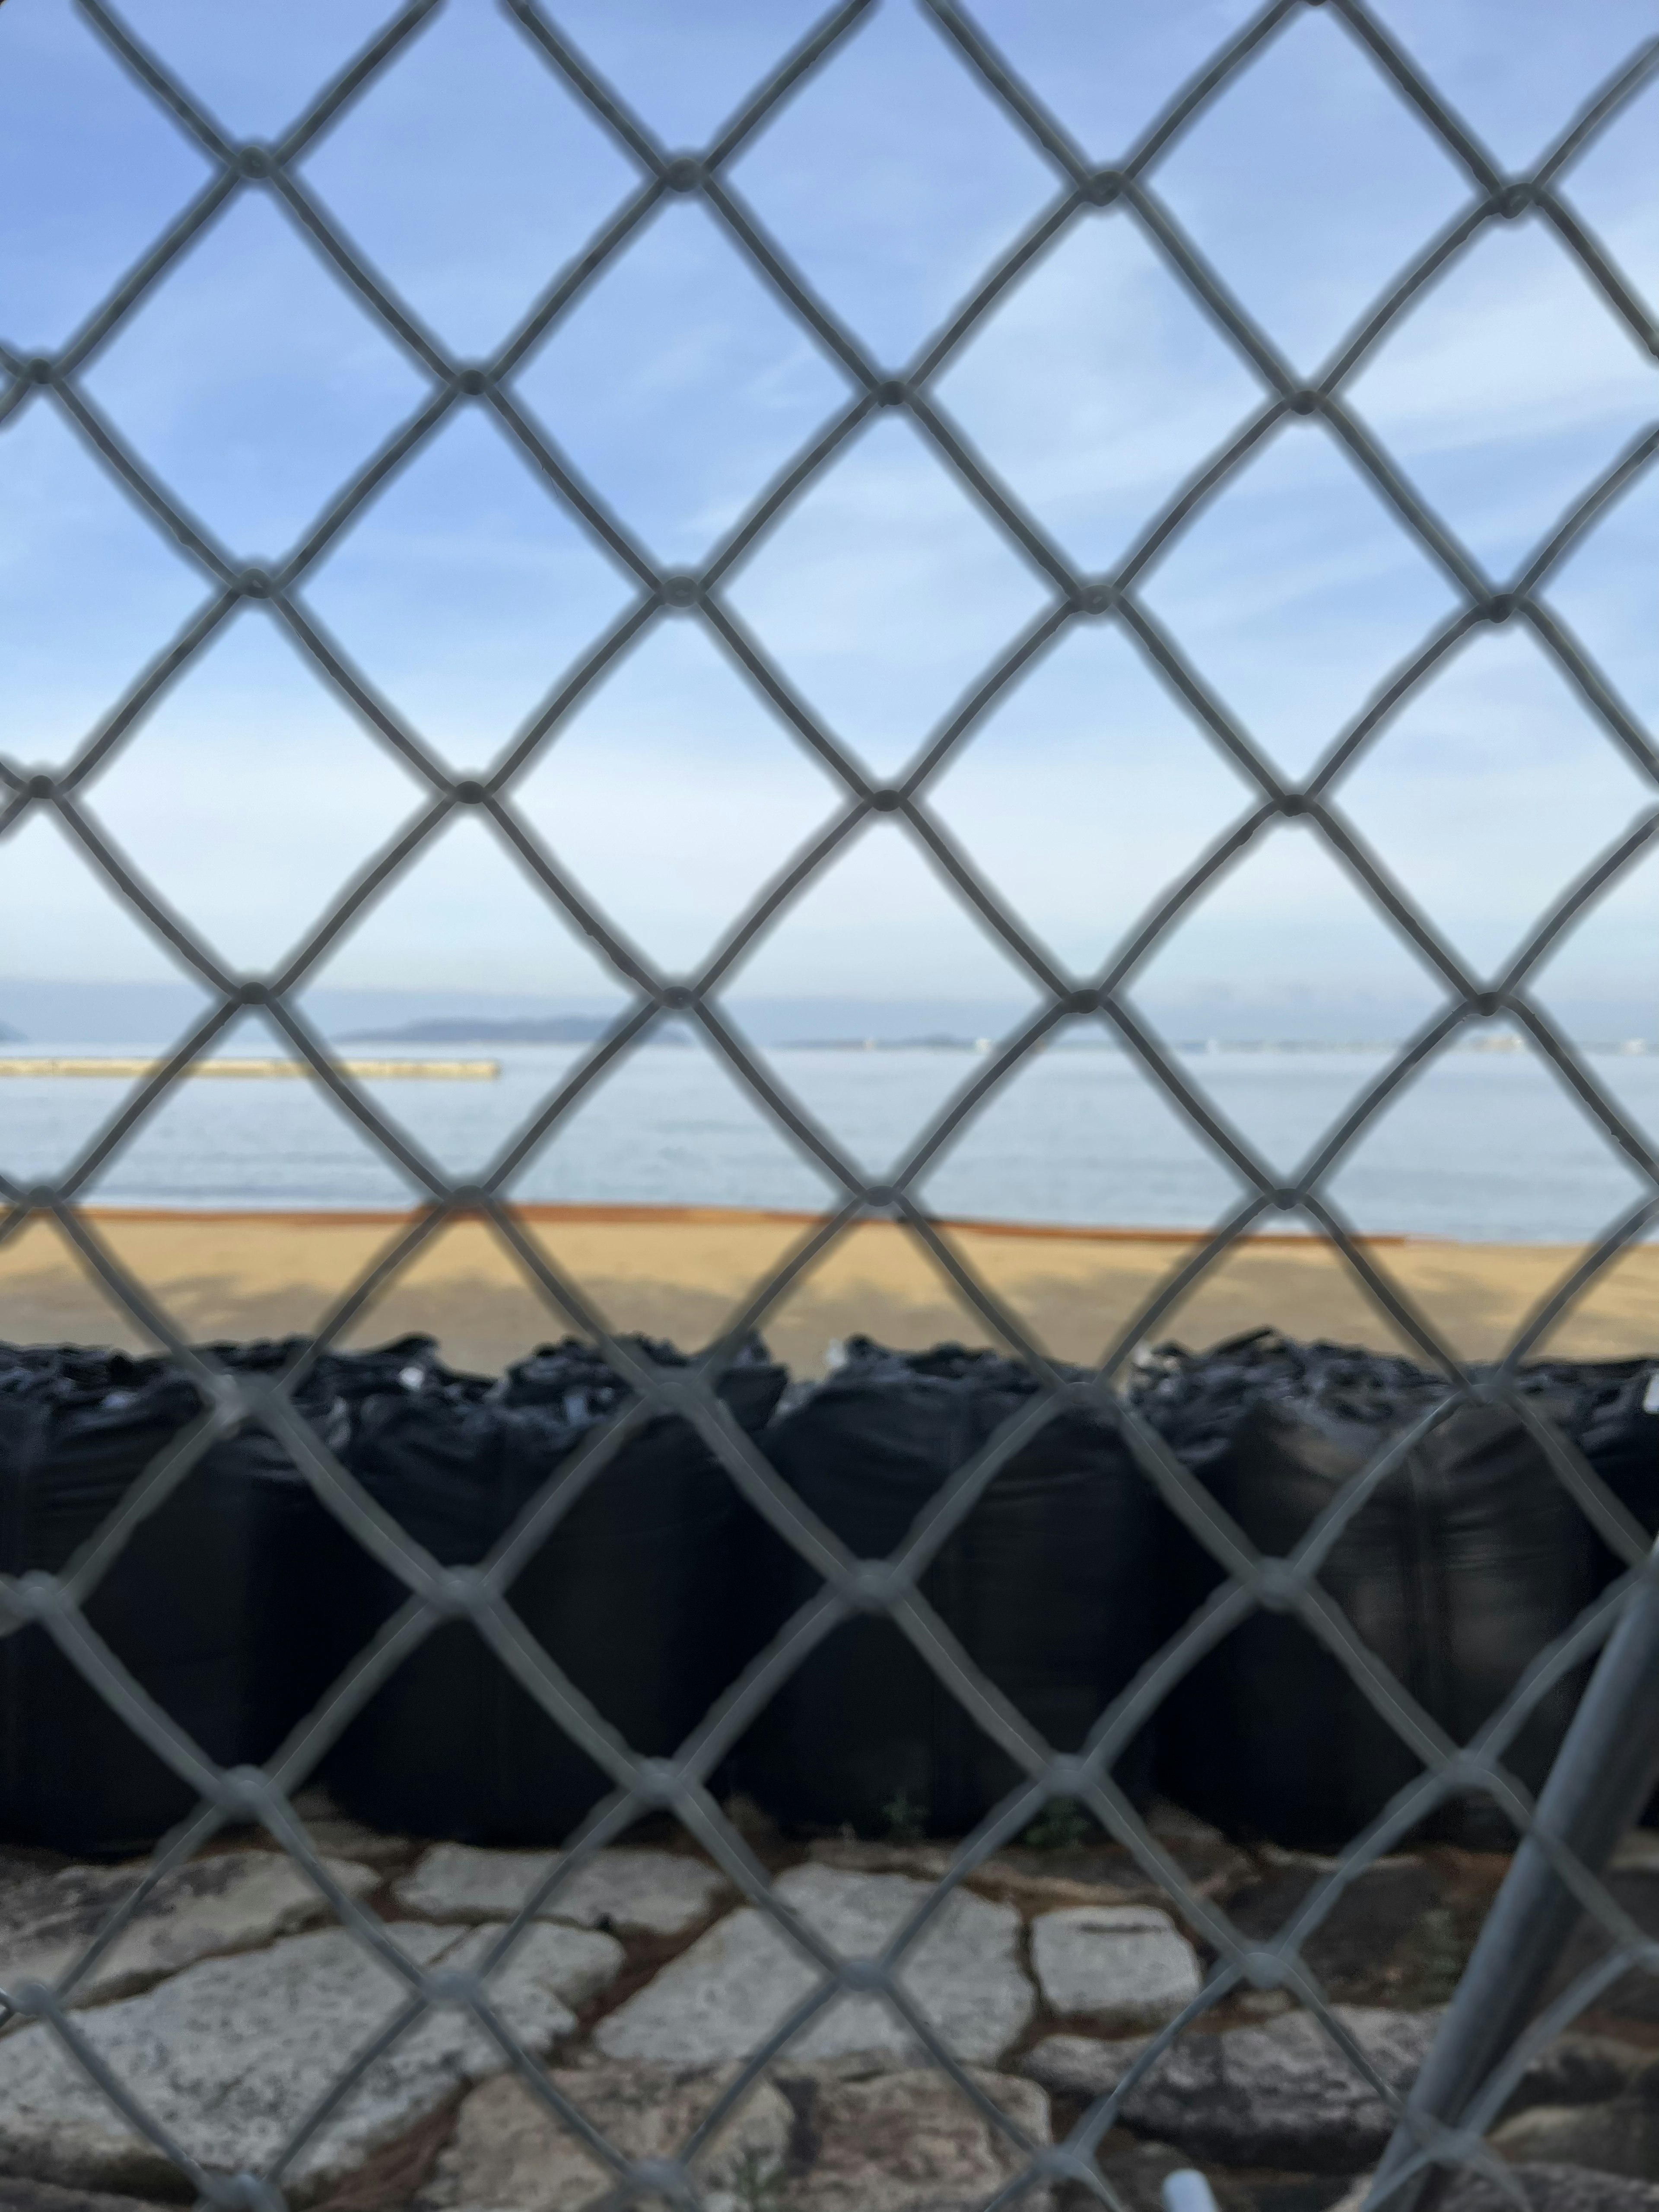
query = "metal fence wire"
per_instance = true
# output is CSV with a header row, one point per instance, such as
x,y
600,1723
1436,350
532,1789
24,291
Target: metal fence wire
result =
x,y
1125,192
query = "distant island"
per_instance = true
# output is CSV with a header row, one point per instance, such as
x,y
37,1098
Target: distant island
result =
x,y
586,1029
554,1028
889,1044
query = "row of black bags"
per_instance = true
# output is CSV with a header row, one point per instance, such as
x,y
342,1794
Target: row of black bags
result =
x,y
237,1602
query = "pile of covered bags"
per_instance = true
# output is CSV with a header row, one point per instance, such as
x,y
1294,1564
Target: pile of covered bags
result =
x,y
222,1591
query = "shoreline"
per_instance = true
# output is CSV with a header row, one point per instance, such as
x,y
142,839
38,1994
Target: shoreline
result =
x,y
687,1272
667,1216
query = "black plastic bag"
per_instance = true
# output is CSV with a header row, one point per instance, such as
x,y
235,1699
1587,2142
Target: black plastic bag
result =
x,y
304,1628
1613,1418
1049,1585
1196,1400
1464,1563
632,1594
1611,1411
199,1607
311,1625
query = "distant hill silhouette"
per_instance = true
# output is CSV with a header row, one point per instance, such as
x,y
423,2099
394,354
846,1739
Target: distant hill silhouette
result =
x,y
84,1013
554,1028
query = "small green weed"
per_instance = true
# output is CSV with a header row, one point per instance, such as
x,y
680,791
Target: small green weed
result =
x,y
1061,1826
1441,1957
759,2183
907,1823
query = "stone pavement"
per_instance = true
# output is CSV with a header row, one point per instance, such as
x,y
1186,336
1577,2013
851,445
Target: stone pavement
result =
x,y
231,2001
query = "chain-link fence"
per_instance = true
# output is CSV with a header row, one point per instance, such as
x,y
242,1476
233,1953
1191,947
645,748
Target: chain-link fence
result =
x,y
891,1588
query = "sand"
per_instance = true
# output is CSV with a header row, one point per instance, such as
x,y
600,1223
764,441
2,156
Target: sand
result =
x,y
685,1273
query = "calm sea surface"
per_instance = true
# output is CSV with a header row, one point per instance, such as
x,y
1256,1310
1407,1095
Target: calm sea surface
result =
x,y
1484,1145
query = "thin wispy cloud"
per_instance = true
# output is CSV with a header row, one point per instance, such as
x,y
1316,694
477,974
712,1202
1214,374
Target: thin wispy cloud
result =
x,y
254,383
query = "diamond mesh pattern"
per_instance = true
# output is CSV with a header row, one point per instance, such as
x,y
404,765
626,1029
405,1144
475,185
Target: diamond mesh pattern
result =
x,y
1127,186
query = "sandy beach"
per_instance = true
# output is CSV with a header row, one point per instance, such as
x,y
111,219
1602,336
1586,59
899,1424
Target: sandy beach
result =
x,y
682,1272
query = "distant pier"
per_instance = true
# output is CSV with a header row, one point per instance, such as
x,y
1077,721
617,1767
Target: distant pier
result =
x,y
369,1071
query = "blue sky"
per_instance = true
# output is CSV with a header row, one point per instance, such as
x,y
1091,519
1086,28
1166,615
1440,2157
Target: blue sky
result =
x,y
253,384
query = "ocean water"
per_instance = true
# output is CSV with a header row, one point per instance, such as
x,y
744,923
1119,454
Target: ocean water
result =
x,y
1485,1146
